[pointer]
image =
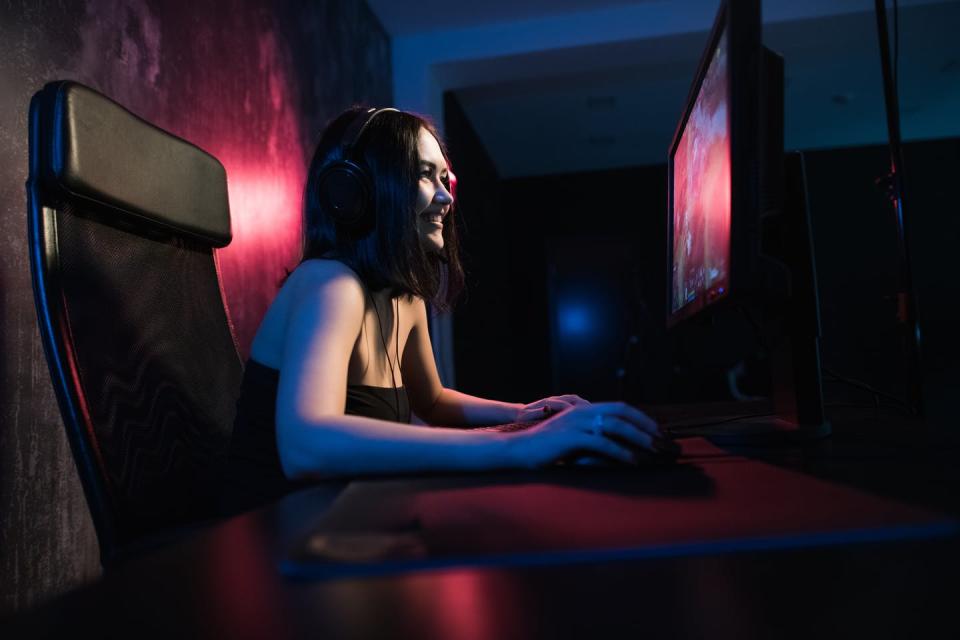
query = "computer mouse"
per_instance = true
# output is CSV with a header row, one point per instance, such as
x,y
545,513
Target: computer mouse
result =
x,y
666,446
665,451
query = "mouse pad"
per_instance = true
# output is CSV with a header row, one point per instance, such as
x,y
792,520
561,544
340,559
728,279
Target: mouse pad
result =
x,y
710,502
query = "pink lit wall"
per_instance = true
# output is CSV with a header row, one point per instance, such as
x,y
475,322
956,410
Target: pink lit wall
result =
x,y
252,82
248,85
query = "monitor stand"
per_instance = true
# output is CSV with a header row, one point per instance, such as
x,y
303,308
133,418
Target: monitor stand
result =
x,y
760,432
797,415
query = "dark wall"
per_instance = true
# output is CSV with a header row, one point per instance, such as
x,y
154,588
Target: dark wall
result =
x,y
251,81
479,219
576,226
502,336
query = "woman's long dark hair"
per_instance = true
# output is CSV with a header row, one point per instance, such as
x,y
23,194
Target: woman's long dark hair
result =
x,y
390,256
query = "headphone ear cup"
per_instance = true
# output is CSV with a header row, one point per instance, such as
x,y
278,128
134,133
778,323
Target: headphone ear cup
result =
x,y
345,192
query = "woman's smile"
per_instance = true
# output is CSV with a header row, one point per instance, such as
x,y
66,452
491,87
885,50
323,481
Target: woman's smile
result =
x,y
433,197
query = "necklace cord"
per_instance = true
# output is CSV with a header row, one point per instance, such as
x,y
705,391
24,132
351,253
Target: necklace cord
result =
x,y
386,351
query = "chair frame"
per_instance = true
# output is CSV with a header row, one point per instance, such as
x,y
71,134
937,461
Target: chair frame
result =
x,y
42,188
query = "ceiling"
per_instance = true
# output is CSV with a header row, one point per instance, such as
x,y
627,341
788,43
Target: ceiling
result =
x,y
400,19
588,103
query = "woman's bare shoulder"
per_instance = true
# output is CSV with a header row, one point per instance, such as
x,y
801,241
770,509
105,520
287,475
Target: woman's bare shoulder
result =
x,y
322,268
329,277
317,289
418,306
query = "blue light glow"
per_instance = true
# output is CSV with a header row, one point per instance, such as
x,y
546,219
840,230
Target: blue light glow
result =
x,y
575,320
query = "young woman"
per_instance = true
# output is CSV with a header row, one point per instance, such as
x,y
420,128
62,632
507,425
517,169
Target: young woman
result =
x,y
343,354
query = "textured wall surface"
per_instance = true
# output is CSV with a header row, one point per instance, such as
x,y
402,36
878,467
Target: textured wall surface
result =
x,y
250,81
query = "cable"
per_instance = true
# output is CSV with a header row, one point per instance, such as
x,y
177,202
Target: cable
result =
x,y
877,394
746,416
896,47
860,405
865,387
757,329
893,183
386,351
699,425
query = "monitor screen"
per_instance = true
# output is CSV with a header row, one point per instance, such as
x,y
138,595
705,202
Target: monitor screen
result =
x,y
701,191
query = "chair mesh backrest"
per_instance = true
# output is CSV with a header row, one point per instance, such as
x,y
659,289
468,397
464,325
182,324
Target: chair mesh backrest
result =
x,y
123,220
153,353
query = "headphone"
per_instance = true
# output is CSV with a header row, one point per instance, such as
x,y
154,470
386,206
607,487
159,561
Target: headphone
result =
x,y
345,187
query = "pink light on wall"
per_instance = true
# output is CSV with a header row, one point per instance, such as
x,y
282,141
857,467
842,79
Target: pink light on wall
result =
x,y
252,84
265,203
255,130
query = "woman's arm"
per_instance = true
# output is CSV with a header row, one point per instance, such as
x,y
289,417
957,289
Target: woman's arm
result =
x,y
355,445
314,437
453,408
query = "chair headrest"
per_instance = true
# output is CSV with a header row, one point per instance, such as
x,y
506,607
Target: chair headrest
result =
x,y
99,151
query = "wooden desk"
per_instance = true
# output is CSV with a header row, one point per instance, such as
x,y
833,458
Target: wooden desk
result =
x,y
224,582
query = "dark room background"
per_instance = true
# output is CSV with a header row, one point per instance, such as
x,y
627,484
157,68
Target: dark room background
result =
x,y
567,275
250,81
566,271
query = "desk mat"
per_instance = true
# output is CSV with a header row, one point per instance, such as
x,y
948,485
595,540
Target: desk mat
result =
x,y
711,502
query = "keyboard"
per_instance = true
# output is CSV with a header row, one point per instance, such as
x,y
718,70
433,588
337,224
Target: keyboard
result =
x,y
506,428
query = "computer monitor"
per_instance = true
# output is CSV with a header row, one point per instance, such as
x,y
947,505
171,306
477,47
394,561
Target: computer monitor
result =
x,y
738,230
700,181
715,161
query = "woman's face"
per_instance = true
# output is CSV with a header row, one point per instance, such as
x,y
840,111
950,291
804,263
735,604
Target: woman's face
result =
x,y
433,195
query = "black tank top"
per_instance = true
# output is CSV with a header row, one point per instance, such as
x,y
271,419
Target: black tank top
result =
x,y
252,473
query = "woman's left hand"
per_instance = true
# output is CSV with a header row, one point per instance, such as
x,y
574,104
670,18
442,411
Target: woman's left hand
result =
x,y
547,407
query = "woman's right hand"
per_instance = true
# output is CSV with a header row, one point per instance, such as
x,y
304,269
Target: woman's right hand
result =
x,y
604,428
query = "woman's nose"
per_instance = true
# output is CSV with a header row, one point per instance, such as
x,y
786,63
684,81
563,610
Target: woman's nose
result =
x,y
443,195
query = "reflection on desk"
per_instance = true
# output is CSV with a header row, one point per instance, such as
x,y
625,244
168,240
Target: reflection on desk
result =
x,y
678,555
711,503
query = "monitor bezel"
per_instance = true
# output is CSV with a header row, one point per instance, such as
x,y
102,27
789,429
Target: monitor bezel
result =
x,y
741,20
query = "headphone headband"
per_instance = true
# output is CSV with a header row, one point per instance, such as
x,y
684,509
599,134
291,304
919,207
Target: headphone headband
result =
x,y
353,133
